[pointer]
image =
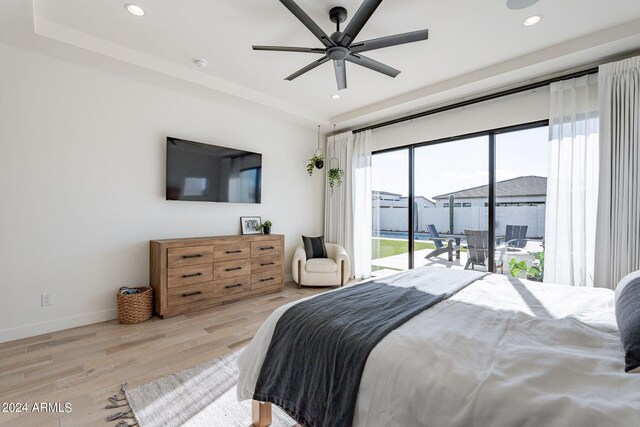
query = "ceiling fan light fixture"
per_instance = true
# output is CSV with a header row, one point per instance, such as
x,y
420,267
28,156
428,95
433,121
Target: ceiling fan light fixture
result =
x,y
200,63
134,9
335,96
532,20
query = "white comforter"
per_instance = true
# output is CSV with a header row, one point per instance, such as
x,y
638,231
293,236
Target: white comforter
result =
x,y
495,354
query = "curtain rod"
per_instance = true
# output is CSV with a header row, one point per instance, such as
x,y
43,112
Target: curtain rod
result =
x,y
479,99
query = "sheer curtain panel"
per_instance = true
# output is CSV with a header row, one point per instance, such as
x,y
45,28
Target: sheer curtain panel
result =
x,y
572,184
618,231
362,212
338,205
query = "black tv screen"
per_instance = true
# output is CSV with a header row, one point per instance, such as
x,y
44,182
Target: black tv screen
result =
x,y
209,173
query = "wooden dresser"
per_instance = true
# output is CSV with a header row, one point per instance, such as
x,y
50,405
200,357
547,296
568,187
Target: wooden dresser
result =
x,y
197,273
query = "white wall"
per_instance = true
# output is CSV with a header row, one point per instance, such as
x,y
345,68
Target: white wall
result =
x,y
82,157
473,218
511,110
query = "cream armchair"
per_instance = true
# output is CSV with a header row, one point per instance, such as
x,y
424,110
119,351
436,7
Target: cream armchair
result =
x,y
331,271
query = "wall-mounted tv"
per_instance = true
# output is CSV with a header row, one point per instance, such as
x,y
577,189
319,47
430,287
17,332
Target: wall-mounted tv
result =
x,y
210,173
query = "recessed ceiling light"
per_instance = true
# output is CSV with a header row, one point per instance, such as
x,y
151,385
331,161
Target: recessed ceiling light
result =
x,y
520,4
201,63
134,9
532,20
336,96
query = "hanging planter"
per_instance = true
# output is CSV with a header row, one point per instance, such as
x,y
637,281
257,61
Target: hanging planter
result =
x,y
317,160
335,177
335,174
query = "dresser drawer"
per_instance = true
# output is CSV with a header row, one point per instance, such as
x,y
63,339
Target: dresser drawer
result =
x,y
263,263
189,255
235,268
181,276
190,293
233,285
266,248
230,251
266,278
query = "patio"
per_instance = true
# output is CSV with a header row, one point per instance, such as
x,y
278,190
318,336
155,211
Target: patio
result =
x,y
392,264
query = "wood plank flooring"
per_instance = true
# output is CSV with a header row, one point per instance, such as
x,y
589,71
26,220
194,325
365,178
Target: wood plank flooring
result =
x,y
84,366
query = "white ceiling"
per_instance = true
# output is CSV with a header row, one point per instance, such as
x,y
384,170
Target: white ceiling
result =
x,y
473,46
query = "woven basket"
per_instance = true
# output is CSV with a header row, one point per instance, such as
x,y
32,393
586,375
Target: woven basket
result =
x,y
135,308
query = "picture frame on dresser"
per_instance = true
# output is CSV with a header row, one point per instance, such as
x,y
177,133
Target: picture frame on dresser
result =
x,y
250,224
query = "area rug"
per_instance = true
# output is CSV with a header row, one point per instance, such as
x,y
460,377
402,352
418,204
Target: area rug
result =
x,y
204,395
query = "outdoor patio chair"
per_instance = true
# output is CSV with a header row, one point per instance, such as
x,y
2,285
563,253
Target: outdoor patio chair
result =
x,y
443,244
478,250
516,236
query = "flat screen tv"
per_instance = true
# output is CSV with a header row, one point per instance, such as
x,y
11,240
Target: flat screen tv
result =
x,y
210,173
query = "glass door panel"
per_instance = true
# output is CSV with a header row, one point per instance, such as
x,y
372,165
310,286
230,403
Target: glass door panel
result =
x,y
521,187
451,196
390,225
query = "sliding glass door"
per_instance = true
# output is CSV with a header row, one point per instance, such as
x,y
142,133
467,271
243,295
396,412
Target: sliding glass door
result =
x,y
451,196
522,162
466,202
390,225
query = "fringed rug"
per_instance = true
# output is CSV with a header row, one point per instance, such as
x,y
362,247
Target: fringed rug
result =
x,y
204,395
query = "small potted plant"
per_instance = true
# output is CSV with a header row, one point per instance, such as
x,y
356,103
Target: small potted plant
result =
x,y
335,177
316,161
266,227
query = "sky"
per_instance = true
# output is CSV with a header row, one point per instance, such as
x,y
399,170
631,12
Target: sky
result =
x,y
453,166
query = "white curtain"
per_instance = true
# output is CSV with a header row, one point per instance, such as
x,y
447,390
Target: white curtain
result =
x,y
348,207
338,205
572,184
362,213
618,231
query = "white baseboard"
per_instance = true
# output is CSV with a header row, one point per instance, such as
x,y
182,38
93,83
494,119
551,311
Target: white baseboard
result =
x,y
56,325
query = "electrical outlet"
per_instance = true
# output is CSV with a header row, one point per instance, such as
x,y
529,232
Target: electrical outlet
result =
x,y
46,299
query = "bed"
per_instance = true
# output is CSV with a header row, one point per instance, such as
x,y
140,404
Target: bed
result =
x,y
497,352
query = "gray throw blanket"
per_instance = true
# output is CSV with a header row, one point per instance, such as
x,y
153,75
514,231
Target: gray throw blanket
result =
x,y
319,348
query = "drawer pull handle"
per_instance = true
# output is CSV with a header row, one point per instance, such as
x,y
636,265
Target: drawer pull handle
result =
x,y
266,248
190,294
234,252
191,275
233,269
266,263
237,285
266,280
192,256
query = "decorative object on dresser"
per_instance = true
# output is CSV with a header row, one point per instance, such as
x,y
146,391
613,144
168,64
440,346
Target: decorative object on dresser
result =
x,y
266,227
250,224
197,273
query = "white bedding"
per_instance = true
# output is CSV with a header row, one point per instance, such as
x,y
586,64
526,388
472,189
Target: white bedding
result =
x,y
494,354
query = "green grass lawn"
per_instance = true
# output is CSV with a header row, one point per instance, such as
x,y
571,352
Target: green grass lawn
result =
x,y
381,248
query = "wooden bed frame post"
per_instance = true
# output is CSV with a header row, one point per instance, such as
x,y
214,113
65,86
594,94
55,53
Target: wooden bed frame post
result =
x,y
260,414
299,274
342,273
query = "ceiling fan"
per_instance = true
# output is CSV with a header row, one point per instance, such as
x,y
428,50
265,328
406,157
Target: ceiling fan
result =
x,y
340,46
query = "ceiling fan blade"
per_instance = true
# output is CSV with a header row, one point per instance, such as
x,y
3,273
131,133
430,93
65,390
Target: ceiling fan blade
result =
x,y
308,22
290,49
373,65
309,67
340,68
389,41
357,22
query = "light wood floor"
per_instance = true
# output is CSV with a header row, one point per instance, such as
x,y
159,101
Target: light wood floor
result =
x,y
86,365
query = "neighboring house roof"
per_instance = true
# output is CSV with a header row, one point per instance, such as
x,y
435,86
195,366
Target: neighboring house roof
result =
x,y
385,193
520,186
